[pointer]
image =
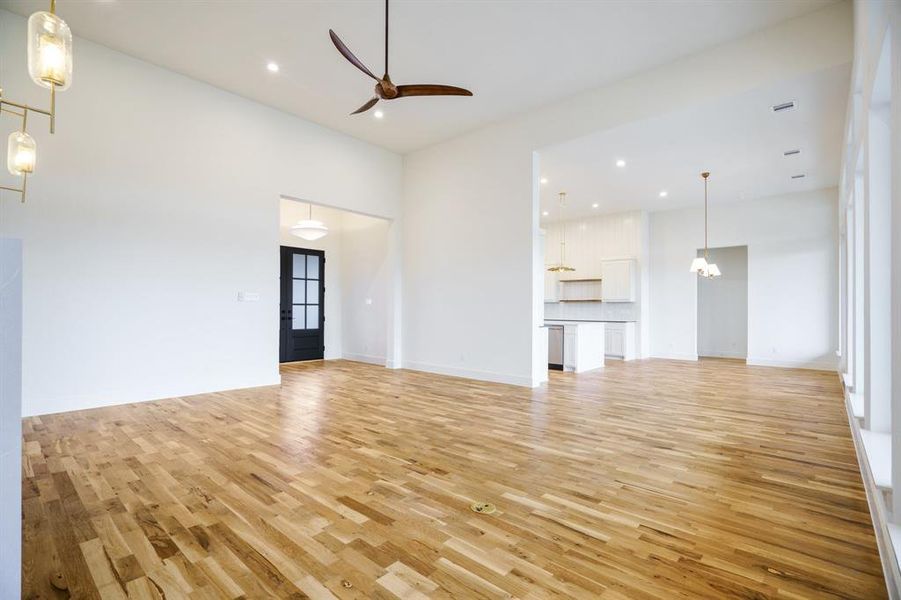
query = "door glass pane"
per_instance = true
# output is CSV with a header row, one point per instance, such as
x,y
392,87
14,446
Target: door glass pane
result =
x,y
298,292
312,317
299,268
312,267
297,314
312,291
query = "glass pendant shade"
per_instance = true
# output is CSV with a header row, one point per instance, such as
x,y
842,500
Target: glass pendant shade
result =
x,y
49,51
309,229
698,265
21,153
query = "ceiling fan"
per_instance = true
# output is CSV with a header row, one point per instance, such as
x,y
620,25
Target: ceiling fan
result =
x,y
384,87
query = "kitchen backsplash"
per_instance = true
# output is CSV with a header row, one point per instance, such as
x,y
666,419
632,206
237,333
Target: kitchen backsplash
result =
x,y
592,311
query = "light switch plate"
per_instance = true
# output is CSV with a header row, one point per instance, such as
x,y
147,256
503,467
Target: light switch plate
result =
x,y
248,296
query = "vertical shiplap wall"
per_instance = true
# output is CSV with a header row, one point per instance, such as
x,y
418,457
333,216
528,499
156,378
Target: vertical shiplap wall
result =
x,y
588,242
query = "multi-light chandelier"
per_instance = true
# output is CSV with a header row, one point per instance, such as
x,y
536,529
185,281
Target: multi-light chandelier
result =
x,y
562,267
50,66
702,265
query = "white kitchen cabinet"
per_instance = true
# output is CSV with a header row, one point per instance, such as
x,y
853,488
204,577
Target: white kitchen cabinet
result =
x,y
619,341
619,280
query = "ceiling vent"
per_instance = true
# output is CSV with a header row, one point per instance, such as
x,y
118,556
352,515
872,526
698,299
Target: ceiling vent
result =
x,y
799,176
790,105
791,152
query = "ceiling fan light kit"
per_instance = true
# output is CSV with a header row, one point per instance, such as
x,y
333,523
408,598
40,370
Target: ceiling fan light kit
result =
x,y
702,265
50,66
385,89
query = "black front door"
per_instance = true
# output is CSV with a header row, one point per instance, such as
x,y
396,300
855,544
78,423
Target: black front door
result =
x,y
302,310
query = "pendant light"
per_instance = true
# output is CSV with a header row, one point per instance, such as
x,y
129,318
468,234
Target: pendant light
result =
x,y
49,65
309,229
700,265
561,267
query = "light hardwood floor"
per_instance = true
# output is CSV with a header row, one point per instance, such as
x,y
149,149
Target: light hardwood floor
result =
x,y
650,479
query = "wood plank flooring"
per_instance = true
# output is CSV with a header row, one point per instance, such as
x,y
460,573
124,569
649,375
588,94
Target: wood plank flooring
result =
x,y
649,480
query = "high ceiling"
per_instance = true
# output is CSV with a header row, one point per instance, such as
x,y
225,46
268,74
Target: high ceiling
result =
x,y
513,55
740,140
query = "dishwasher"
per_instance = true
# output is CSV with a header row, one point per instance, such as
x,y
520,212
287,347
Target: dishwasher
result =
x,y
555,347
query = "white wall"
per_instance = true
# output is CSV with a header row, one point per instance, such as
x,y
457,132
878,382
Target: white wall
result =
x,y
723,305
365,279
792,277
470,212
156,202
10,417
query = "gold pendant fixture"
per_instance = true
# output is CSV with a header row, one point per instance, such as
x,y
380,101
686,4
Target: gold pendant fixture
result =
x,y
50,66
702,265
562,267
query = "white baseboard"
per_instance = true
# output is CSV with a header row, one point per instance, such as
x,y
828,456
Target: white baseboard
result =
x,y
365,358
734,355
49,406
524,381
815,365
675,356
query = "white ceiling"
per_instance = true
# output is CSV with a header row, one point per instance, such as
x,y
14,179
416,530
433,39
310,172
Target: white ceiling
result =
x,y
738,139
513,55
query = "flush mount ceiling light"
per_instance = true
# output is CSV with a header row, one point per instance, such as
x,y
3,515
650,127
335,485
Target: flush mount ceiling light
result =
x,y
50,66
309,229
561,267
620,163
700,265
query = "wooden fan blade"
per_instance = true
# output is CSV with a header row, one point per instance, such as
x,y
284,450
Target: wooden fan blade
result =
x,y
428,89
366,106
346,53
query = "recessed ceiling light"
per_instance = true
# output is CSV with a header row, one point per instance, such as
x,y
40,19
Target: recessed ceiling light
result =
x,y
544,180
272,67
620,163
663,193
378,114
595,205
544,213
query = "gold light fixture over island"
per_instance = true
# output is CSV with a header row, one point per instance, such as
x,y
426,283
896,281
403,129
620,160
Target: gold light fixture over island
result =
x,y
50,66
562,267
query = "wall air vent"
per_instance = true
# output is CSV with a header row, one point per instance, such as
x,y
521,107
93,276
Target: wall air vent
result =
x,y
784,106
799,176
791,152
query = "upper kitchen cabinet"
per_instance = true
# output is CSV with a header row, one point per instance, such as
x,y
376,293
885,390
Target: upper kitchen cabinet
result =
x,y
619,280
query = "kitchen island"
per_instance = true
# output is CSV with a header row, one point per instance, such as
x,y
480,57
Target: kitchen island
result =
x,y
575,346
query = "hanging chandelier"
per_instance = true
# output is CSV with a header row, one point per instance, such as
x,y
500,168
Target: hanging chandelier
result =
x,y
309,229
50,66
701,264
561,267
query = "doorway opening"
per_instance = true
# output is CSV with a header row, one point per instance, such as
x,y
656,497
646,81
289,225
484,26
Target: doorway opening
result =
x,y
723,305
337,298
